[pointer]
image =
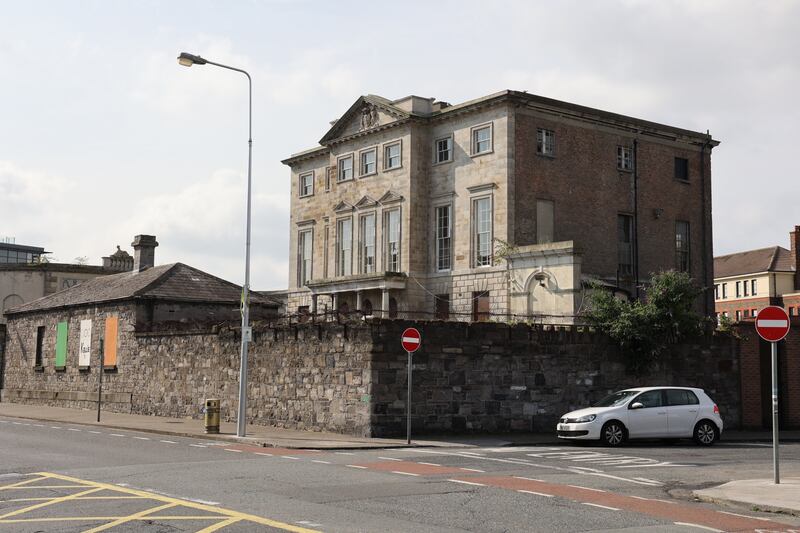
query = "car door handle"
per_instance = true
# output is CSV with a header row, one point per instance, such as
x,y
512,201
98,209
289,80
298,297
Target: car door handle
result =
x,y
661,413
692,410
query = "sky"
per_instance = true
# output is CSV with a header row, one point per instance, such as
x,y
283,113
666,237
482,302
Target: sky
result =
x,y
104,136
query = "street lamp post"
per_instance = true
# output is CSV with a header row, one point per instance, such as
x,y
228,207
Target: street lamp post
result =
x,y
187,60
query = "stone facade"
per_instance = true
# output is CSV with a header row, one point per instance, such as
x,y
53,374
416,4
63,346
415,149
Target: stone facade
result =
x,y
577,184
351,377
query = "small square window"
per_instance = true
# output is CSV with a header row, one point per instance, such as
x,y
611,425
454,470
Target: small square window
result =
x,y
682,168
546,142
369,162
345,168
482,139
444,150
391,156
624,158
306,184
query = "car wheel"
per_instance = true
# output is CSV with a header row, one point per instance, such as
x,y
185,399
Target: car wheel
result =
x,y
612,434
705,433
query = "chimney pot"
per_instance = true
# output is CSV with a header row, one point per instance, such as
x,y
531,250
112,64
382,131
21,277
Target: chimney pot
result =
x,y
144,252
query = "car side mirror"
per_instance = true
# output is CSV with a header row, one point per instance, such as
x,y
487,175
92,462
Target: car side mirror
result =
x,y
636,405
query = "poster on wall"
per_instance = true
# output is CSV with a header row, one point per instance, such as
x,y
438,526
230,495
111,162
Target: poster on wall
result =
x,y
61,345
85,353
110,346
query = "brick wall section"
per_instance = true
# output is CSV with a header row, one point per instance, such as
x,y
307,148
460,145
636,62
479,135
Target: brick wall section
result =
x,y
751,375
2,353
583,177
791,404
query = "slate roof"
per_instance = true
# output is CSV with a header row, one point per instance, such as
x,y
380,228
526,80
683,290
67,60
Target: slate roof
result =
x,y
174,282
772,259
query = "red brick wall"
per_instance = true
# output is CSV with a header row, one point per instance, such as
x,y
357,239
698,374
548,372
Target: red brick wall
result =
x,y
589,192
789,401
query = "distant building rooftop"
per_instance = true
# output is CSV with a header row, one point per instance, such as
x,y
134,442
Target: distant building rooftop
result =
x,y
19,253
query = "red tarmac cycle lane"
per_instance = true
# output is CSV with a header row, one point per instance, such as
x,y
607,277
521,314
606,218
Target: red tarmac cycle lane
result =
x,y
675,512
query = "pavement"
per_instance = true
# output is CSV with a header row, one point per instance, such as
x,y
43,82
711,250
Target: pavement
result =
x,y
761,494
269,436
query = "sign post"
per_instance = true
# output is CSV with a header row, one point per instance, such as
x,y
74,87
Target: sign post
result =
x,y
411,340
772,325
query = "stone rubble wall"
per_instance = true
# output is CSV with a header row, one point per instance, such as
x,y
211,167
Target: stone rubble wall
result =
x,y
351,377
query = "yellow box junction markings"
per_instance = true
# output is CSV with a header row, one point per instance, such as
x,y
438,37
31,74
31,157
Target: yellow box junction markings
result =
x,y
224,517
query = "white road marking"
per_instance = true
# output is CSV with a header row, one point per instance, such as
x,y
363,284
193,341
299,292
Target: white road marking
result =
x,y
197,445
308,523
55,427
73,429
600,506
96,432
232,450
116,434
141,438
168,441
585,488
745,516
17,423
357,466
635,480
389,459
290,457
404,473
473,453
264,454
528,479
662,501
535,493
757,444
343,453
39,425
318,461
687,524
428,464
472,470
648,480
467,482
587,469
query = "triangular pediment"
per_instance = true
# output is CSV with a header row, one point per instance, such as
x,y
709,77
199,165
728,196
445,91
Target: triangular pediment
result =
x,y
390,197
365,202
343,207
367,113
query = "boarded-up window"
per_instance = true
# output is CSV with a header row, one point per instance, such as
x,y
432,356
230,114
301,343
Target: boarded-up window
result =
x,y
442,306
39,346
110,343
480,306
61,345
544,221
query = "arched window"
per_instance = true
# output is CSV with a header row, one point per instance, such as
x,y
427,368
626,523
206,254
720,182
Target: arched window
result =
x,y
12,300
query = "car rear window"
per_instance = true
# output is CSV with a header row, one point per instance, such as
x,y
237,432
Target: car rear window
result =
x,y
681,397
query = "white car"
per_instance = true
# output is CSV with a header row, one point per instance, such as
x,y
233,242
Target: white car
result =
x,y
646,413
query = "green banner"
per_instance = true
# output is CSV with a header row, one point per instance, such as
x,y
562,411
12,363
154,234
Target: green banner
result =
x,y
61,345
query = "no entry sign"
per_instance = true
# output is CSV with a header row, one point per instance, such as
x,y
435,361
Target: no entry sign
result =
x,y
772,323
411,340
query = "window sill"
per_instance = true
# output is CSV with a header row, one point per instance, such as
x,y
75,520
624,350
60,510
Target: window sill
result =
x,y
38,369
306,195
685,182
110,369
375,173
487,152
61,369
625,170
393,168
546,156
440,163
84,369
344,180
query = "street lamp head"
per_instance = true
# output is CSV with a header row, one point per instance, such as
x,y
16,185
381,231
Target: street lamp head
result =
x,y
187,60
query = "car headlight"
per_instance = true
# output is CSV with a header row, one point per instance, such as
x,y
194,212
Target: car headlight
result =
x,y
584,419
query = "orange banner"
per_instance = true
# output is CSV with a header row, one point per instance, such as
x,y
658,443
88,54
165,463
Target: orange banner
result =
x,y
110,346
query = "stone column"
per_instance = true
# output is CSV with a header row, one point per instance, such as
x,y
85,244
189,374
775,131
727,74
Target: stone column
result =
x,y
358,300
314,304
385,303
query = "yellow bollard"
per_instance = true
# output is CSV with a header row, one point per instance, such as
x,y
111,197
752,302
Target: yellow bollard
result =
x,y
212,416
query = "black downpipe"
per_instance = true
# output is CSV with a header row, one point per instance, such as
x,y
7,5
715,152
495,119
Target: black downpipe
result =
x,y
636,218
704,262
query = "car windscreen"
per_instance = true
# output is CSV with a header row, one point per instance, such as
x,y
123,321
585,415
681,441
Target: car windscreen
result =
x,y
616,399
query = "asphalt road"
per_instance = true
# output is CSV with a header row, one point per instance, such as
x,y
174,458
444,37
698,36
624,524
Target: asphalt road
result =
x,y
75,478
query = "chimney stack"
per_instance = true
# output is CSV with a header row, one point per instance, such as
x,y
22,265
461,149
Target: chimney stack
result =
x,y
794,244
144,252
